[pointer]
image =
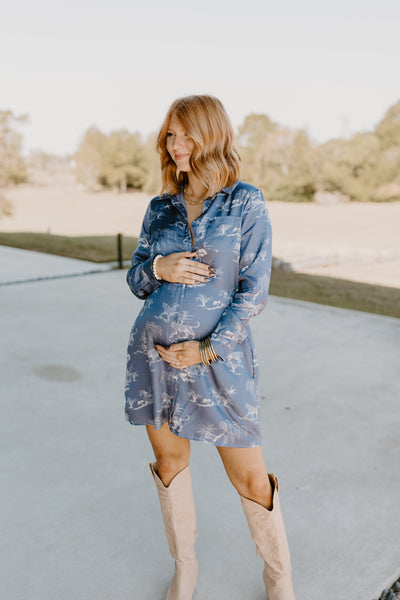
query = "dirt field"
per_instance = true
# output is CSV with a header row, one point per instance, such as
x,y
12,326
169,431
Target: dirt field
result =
x,y
352,241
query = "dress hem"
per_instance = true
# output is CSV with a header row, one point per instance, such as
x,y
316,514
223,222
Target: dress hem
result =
x,y
193,439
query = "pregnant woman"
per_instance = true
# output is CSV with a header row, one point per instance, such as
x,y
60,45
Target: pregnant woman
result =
x,y
203,265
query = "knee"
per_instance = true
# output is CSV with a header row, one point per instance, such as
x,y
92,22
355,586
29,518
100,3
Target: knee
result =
x,y
169,465
256,487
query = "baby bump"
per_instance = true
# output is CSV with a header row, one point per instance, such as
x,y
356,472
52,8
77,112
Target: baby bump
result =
x,y
178,312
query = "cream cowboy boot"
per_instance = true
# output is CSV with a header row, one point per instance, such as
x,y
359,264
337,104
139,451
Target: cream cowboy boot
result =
x,y
177,507
268,533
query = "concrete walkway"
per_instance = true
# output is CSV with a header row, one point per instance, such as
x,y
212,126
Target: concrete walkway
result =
x,y
17,265
80,515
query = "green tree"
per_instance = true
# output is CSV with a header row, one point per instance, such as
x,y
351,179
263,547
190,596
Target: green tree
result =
x,y
12,165
89,157
388,129
277,159
256,127
299,170
119,159
349,166
388,166
152,158
124,161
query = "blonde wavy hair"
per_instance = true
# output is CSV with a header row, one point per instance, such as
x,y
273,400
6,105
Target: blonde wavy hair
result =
x,y
214,160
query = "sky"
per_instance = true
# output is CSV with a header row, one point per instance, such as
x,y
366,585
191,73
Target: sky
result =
x,y
329,68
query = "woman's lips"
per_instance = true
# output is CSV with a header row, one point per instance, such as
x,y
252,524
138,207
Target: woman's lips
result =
x,y
179,156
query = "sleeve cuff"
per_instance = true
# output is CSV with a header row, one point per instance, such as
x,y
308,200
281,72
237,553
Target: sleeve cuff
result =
x,y
219,348
148,270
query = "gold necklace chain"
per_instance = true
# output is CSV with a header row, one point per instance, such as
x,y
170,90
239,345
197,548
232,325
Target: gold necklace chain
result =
x,y
189,200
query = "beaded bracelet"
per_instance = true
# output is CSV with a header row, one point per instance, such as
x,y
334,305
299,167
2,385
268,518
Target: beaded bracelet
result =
x,y
154,266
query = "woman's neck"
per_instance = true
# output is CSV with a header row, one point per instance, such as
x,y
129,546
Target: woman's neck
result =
x,y
195,188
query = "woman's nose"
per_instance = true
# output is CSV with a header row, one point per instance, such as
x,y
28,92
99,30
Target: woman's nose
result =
x,y
177,142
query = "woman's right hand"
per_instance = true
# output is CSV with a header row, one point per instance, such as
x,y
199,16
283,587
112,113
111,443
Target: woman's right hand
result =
x,y
178,268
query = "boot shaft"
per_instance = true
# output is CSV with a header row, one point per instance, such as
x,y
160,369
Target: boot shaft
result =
x,y
268,533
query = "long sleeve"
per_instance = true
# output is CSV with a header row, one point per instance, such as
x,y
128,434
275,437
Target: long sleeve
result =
x,y
140,277
254,276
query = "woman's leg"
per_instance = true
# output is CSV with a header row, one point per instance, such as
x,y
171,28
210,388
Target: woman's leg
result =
x,y
247,472
171,452
171,473
258,492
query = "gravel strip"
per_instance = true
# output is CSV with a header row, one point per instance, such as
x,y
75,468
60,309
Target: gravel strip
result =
x,y
392,593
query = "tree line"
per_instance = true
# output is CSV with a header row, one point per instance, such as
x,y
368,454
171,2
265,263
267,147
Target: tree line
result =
x,y
119,160
287,166
285,163
12,165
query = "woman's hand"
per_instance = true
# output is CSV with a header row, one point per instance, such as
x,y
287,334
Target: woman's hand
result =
x,y
182,355
178,268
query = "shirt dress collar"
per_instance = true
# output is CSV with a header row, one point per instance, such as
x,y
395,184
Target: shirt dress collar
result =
x,y
177,199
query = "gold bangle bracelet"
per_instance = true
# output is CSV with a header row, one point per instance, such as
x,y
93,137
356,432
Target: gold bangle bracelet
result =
x,y
209,361
202,354
207,352
207,345
211,350
214,355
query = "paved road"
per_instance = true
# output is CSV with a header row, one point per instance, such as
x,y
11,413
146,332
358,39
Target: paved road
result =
x,y
81,519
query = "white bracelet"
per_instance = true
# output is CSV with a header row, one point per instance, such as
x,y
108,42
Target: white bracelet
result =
x,y
154,267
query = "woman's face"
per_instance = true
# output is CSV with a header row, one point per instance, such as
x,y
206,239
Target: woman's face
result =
x,y
179,145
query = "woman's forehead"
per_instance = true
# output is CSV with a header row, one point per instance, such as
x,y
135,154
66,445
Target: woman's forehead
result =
x,y
174,122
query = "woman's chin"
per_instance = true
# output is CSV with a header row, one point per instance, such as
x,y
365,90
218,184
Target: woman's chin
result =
x,y
183,165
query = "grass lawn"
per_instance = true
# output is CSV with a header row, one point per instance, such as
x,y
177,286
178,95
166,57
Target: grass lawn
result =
x,y
96,248
344,293
313,288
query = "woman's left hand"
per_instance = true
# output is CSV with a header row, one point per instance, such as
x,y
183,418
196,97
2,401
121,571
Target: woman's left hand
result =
x,y
182,355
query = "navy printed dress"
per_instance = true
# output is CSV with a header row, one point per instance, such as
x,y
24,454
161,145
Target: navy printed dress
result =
x,y
215,404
